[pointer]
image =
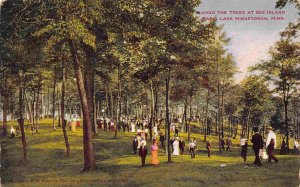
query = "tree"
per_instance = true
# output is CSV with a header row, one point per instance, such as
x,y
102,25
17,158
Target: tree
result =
x,y
282,71
255,99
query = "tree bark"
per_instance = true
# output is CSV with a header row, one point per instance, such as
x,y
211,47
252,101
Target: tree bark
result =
x,y
168,119
62,110
37,111
53,100
206,115
248,123
152,122
21,118
89,162
222,112
191,109
5,109
118,107
185,113
285,102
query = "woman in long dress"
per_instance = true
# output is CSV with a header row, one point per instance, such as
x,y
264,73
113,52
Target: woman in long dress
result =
x,y
154,153
176,147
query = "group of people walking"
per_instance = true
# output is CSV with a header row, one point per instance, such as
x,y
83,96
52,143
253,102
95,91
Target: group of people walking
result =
x,y
178,147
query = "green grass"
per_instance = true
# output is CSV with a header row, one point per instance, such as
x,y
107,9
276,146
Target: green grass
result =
x,y
117,166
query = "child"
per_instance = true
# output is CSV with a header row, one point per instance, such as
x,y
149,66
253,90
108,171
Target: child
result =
x,y
208,147
244,145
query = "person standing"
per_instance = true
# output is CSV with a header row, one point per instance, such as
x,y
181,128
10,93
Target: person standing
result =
x,y
208,148
181,145
162,139
296,147
222,144
176,147
105,125
228,143
135,144
171,143
271,144
244,146
283,150
143,153
192,147
139,139
12,132
154,153
176,132
258,143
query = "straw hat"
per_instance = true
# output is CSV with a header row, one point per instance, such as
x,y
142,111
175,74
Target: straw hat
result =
x,y
269,127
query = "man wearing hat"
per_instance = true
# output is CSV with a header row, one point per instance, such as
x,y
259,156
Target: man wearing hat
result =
x,y
258,143
271,144
143,153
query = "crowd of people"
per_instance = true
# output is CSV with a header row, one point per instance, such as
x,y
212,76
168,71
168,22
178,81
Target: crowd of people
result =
x,y
262,149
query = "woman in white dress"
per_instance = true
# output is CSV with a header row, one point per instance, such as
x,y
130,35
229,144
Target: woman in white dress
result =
x,y
132,127
176,147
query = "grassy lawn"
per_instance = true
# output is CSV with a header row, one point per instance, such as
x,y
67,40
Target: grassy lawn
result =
x,y
117,166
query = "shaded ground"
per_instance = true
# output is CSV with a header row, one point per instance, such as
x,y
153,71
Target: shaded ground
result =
x,y
117,166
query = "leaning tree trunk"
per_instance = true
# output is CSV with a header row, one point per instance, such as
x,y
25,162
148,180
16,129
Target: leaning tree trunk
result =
x,y
89,162
168,119
62,110
21,119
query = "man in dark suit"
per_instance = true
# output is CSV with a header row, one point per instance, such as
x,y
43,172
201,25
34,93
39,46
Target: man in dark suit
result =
x,y
162,139
143,153
258,143
135,144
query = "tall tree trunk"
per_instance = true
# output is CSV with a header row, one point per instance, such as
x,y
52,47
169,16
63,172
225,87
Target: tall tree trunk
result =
x,y
168,119
21,118
285,102
248,123
89,162
5,109
111,102
95,109
48,102
28,107
191,109
62,110
37,111
89,78
185,113
118,107
222,112
156,104
33,112
54,99
152,122
206,115
107,101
